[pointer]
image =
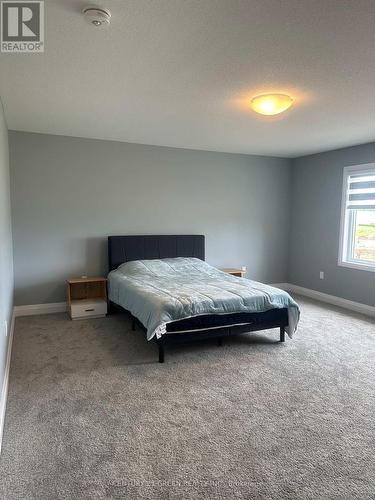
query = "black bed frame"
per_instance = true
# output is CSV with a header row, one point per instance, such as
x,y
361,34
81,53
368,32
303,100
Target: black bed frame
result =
x,y
126,248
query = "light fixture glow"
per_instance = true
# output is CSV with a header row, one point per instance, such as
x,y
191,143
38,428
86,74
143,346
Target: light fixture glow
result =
x,y
271,104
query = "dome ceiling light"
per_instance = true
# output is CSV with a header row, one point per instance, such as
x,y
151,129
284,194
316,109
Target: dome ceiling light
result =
x,y
271,104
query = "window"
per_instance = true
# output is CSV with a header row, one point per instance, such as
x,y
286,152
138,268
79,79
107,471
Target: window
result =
x,y
357,237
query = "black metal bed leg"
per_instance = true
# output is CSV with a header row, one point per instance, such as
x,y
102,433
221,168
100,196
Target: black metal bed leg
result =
x,y
282,333
220,341
133,323
161,352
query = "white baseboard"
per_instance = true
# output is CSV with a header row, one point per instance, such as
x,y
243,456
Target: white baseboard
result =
x,y
58,307
330,299
34,309
4,392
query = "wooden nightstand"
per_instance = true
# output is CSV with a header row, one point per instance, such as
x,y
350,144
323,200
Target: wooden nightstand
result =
x,y
234,272
87,297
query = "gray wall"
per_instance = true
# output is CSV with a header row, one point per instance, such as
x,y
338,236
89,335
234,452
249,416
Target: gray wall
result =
x,y
314,243
6,258
68,194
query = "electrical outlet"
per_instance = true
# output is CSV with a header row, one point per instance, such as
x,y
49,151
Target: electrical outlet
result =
x,y
6,327
321,275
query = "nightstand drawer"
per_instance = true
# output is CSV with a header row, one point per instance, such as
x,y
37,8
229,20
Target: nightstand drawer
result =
x,y
88,308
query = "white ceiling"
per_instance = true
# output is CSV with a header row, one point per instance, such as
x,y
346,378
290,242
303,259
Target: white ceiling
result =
x,y
180,73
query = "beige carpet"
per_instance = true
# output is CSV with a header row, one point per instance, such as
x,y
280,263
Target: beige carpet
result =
x,y
92,415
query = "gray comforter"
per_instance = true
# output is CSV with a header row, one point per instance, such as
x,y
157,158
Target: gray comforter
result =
x,y
158,292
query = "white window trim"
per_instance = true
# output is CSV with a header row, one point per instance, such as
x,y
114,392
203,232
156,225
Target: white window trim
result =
x,y
343,232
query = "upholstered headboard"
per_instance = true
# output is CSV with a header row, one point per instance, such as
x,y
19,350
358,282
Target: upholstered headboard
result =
x,y
124,248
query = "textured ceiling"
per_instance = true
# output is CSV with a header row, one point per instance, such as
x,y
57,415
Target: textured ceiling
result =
x,y
180,73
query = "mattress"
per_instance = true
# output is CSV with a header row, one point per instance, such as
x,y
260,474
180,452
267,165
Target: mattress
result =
x,y
160,292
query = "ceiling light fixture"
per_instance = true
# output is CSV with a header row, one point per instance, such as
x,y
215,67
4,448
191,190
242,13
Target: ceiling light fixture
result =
x,y
97,16
271,104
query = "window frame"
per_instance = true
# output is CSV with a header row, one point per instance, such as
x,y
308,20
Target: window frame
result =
x,y
343,239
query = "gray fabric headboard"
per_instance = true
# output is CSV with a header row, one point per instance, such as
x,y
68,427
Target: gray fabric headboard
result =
x,y
124,248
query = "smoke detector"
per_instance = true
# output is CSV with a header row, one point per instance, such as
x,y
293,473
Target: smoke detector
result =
x,y
97,16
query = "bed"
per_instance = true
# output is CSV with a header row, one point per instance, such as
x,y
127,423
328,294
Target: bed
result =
x,y
175,296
